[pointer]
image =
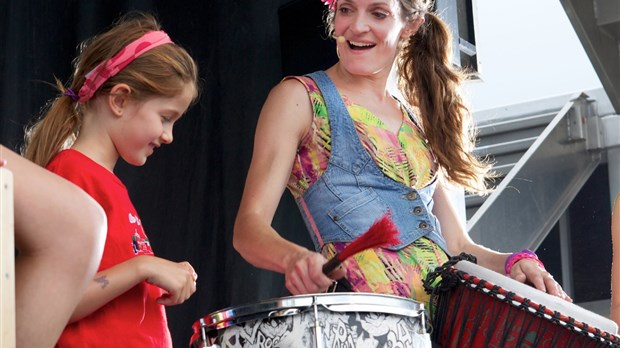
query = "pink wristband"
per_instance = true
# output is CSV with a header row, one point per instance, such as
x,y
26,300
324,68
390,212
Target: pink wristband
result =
x,y
518,256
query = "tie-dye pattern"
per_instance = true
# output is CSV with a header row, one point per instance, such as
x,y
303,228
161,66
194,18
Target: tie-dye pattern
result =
x,y
384,271
405,158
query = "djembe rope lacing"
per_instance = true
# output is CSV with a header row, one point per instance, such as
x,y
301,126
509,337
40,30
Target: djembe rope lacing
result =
x,y
443,315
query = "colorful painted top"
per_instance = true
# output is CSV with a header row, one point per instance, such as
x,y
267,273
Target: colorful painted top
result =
x,y
403,157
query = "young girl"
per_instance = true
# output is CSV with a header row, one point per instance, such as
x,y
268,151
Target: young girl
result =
x,y
130,85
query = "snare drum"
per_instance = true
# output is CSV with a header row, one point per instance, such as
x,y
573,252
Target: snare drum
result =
x,y
482,308
317,320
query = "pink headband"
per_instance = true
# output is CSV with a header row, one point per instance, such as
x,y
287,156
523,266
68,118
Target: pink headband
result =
x,y
102,72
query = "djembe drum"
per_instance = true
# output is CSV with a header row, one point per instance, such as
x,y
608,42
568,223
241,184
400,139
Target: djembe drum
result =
x,y
317,320
473,306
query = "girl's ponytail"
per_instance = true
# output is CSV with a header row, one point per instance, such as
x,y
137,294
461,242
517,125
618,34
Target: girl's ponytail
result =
x,y
54,131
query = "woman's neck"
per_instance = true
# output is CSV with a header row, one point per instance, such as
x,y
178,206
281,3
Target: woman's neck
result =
x,y
370,92
368,87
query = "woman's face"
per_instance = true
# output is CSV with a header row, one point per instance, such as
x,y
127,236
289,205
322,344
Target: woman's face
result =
x,y
372,30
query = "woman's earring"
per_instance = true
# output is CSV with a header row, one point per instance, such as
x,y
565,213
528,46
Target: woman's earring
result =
x,y
339,40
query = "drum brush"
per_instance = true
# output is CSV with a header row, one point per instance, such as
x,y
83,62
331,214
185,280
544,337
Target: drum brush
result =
x,y
383,232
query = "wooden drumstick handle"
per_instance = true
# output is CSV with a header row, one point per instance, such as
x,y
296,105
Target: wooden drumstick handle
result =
x,y
331,265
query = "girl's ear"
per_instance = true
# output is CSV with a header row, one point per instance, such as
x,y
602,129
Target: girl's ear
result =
x,y
118,98
413,27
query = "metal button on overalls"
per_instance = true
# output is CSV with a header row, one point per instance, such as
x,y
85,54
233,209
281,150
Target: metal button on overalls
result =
x,y
411,195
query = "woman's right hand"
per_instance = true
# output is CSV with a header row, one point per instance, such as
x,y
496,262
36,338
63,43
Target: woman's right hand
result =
x,y
304,273
177,279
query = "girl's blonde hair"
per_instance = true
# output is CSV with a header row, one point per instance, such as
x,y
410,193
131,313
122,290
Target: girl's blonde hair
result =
x,y
430,83
160,72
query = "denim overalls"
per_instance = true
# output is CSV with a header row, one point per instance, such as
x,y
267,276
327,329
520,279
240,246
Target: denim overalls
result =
x,y
353,192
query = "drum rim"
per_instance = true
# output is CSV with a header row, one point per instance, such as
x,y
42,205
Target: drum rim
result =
x,y
275,307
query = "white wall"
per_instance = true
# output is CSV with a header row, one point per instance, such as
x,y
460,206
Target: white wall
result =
x,y
527,50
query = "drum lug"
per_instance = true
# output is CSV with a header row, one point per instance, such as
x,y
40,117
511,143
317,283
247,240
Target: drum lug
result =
x,y
318,327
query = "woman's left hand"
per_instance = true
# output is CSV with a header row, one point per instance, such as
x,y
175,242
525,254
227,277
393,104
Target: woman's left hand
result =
x,y
528,271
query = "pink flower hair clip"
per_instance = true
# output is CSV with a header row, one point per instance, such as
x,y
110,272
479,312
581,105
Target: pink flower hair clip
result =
x,y
330,3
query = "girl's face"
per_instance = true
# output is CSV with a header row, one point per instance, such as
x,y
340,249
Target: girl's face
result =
x,y
372,30
148,125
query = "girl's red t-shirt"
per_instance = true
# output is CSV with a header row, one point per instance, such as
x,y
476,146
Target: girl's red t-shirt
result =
x,y
133,319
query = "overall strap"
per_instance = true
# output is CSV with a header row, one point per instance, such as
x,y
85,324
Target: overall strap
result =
x,y
346,148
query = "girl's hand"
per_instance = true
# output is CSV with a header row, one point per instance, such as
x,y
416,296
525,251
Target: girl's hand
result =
x,y
304,273
178,280
527,270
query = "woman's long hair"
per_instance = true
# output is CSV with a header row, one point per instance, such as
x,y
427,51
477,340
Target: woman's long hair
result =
x,y
430,83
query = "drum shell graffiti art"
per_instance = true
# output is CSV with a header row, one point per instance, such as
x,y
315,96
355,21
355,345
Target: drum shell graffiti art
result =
x,y
317,320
